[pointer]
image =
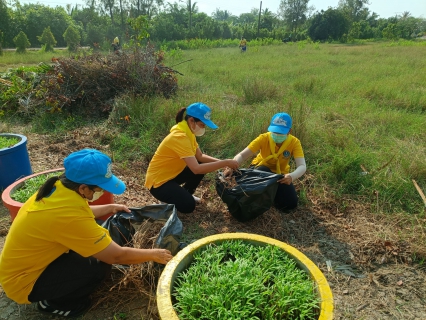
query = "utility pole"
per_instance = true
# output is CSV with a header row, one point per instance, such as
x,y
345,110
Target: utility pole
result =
x,y
258,23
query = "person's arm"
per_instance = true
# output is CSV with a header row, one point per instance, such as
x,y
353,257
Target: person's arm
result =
x,y
300,170
103,209
204,158
244,155
114,254
240,158
202,168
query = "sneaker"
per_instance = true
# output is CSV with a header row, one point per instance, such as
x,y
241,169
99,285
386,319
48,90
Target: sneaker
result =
x,y
197,200
46,308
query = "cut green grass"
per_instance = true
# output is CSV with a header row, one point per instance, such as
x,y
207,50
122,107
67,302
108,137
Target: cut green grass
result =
x,y
238,280
7,142
31,186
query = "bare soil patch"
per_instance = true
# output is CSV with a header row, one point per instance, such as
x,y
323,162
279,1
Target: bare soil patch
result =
x,y
373,262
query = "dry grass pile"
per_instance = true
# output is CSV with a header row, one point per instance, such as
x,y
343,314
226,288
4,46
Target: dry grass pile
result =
x,y
136,281
89,83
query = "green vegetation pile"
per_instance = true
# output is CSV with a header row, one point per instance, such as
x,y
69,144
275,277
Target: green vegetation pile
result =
x,y
88,84
31,186
6,142
239,280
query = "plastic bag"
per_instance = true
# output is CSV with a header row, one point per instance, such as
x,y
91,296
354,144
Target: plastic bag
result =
x,y
121,229
248,193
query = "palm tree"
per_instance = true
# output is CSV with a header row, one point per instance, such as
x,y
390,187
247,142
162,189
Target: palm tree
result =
x,y
405,15
191,8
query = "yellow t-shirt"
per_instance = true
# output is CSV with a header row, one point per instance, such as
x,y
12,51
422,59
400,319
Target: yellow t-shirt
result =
x,y
243,43
167,161
41,232
261,143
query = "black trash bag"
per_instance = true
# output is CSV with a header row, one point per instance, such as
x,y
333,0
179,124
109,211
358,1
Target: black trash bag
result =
x,y
121,230
252,195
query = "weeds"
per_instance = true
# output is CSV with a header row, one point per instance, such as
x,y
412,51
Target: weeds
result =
x,y
257,90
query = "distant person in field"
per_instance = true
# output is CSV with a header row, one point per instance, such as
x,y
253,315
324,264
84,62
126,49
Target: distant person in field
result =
x,y
178,165
273,151
243,44
116,44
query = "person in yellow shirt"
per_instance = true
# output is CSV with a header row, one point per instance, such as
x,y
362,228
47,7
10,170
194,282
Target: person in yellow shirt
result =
x,y
116,44
55,253
243,44
178,160
273,151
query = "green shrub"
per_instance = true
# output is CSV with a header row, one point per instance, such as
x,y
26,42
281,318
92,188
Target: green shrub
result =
x,y
22,43
72,37
47,39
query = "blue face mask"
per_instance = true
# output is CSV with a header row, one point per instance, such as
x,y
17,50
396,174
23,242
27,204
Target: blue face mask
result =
x,y
279,138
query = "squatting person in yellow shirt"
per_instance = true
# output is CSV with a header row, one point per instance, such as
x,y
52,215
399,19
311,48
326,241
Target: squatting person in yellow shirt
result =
x,y
55,253
273,151
179,161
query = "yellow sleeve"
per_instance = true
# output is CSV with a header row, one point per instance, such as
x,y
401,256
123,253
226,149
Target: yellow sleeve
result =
x,y
84,236
258,143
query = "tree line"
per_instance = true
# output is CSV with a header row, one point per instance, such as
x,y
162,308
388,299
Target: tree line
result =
x,y
100,21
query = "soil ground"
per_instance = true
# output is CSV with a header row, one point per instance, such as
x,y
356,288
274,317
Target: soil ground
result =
x,y
374,263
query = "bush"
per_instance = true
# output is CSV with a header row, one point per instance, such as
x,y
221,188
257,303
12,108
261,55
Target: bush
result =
x,y
72,37
47,39
22,43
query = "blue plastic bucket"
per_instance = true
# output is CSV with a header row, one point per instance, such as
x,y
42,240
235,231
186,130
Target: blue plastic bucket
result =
x,y
14,161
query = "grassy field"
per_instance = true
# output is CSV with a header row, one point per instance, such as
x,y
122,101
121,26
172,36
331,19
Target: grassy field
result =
x,y
359,111
11,59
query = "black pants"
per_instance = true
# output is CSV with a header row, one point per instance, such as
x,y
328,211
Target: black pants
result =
x,y
69,280
286,197
181,196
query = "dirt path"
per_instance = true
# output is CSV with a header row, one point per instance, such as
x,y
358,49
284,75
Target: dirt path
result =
x,y
367,258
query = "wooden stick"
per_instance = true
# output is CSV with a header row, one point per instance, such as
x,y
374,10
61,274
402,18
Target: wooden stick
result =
x,y
420,191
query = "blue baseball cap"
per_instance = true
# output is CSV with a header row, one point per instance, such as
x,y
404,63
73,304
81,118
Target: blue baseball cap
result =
x,y
201,111
92,167
280,123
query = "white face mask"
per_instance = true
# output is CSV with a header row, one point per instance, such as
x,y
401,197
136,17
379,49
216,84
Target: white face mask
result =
x,y
198,131
96,195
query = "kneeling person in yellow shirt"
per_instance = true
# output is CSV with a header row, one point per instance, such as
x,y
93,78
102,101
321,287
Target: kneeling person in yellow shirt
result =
x,y
273,151
179,161
55,253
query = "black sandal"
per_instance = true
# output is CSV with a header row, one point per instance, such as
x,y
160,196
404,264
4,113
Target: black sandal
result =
x,y
46,308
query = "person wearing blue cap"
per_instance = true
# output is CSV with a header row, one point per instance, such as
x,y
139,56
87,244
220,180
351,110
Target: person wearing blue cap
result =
x,y
55,253
273,151
178,165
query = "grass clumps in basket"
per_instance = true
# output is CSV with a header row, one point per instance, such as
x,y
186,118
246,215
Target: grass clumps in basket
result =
x,y
238,280
31,186
6,142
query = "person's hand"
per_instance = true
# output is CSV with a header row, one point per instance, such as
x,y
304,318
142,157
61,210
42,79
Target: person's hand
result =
x,y
119,207
232,164
286,180
227,172
162,256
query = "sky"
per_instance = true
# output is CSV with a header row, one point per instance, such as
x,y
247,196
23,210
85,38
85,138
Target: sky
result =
x,y
384,8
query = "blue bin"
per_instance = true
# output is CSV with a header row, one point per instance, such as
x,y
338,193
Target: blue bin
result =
x,y
14,161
